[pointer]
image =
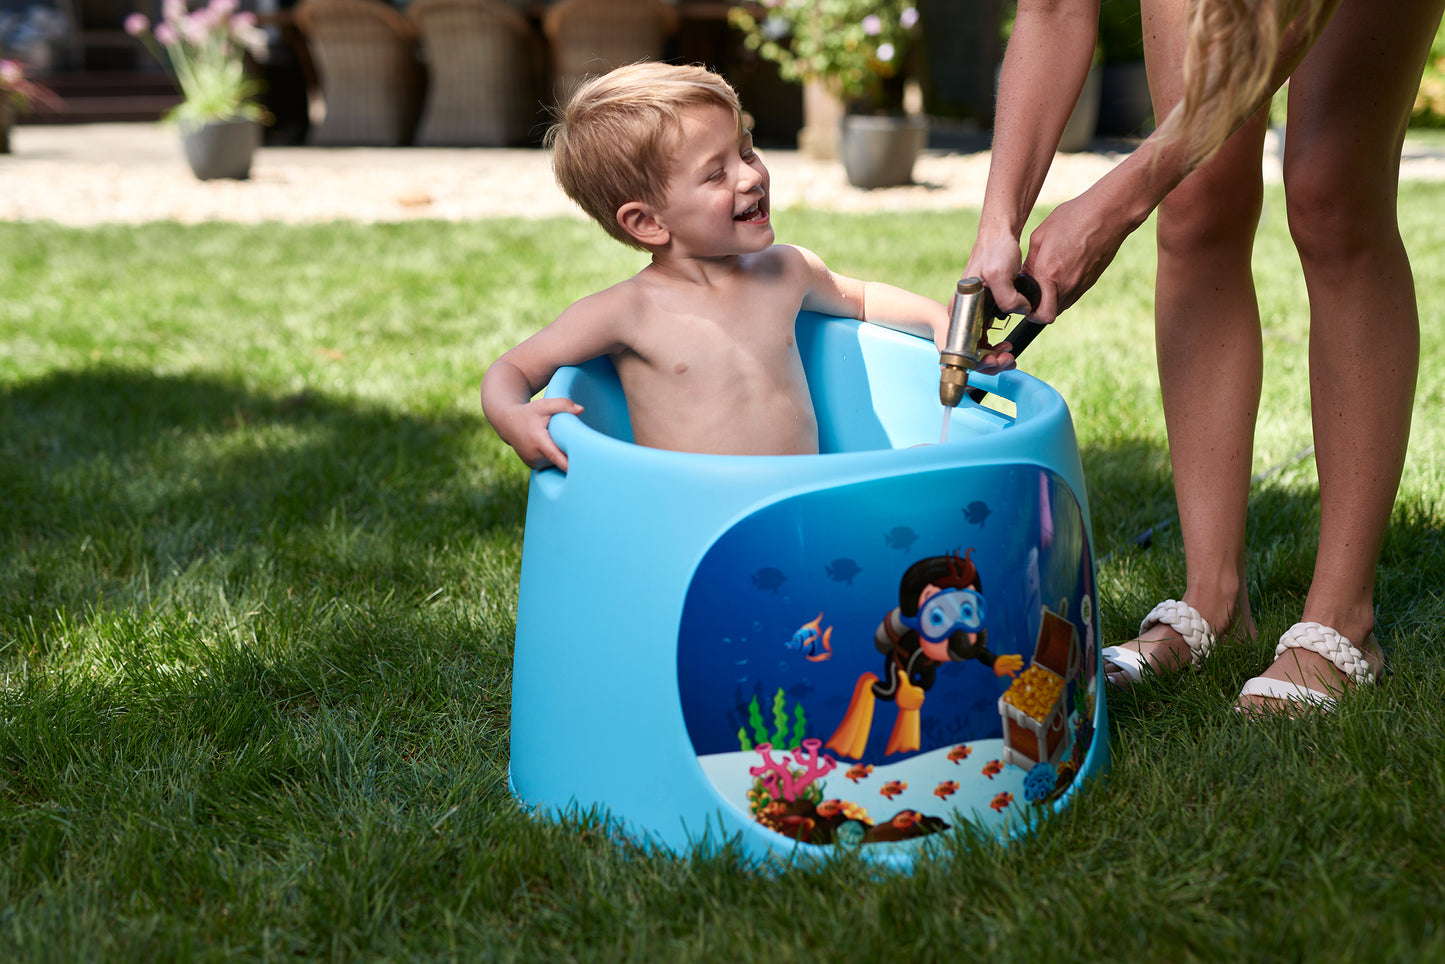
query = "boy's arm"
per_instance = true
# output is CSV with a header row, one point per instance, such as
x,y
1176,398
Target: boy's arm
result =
x,y
902,310
888,306
872,301
580,333
521,422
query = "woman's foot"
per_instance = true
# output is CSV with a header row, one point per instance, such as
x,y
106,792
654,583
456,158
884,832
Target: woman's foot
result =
x,y
1172,636
1314,666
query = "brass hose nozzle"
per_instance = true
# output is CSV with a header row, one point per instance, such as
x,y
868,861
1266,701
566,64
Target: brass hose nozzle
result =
x,y
966,326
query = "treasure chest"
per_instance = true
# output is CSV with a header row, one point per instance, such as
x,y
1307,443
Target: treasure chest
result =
x,y
1033,708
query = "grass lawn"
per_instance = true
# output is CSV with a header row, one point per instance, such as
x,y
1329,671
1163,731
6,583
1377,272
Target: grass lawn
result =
x,y
258,570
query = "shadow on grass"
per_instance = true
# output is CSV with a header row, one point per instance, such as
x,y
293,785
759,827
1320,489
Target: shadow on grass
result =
x,y
233,607
119,483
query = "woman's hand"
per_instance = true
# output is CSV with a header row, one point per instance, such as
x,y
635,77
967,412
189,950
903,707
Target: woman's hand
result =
x,y
997,262
1070,250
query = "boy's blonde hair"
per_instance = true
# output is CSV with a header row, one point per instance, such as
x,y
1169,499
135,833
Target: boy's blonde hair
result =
x,y
615,137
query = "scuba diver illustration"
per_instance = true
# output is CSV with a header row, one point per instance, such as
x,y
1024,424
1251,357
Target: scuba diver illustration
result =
x,y
941,618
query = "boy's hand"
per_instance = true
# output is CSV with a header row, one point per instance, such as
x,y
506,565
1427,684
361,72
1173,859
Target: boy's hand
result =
x,y
996,358
526,431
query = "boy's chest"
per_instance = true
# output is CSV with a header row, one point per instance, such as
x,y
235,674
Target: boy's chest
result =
x,y
719,340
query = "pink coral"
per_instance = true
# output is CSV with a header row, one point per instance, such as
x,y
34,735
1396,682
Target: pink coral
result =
x,y
783,783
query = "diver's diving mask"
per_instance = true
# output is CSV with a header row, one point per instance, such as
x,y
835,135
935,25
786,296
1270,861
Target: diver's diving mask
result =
x,y
946,611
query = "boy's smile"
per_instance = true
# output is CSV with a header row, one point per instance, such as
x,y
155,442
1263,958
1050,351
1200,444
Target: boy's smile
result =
x,y
755,213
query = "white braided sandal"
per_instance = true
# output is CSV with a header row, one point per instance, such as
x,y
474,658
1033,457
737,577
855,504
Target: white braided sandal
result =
x,y
1181,617
1317,639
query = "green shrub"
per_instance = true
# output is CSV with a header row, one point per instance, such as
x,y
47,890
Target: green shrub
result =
x,y
1430,101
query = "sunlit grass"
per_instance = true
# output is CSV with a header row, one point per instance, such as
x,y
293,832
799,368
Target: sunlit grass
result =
x,y
258,567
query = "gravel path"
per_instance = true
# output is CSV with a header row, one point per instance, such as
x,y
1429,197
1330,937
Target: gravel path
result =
x,y
130,173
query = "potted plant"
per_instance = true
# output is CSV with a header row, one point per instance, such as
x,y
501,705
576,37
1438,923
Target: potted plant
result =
x,y
19,96
857,51
205,50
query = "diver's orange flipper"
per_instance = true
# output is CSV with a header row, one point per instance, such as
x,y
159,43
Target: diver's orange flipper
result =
x,y
906,730
851,736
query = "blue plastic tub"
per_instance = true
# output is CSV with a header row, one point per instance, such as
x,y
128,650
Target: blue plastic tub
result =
x,y
696,633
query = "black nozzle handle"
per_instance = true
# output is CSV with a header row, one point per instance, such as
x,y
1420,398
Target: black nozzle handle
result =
x,y
1024,332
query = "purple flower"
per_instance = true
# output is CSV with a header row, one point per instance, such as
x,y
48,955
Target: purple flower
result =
x,y
196,28
908,17
137,24
885,52
872,25
166,34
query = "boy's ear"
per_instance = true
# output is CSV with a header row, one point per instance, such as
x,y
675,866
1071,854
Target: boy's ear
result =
x,y
638,220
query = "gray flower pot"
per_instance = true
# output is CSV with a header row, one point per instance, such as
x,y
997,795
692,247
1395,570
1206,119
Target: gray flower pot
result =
x,y
217,149
879,151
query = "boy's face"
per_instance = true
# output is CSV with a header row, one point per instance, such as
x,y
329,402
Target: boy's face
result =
x,y
717,189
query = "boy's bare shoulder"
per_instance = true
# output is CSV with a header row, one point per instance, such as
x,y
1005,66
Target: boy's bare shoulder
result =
x,y
776,259
610,307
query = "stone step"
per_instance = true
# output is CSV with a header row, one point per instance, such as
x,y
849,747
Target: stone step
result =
x,y
98,96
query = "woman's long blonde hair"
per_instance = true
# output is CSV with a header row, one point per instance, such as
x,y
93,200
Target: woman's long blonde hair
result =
x,y
1230,56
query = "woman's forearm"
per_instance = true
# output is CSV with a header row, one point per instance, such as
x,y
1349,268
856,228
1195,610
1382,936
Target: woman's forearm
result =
x,y
1044,68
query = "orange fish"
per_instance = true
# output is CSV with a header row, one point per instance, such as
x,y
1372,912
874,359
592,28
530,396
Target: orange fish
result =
x,y
893,788
813,640
959,753
859,771
829,808
946,789
992,767
1001,801
904,819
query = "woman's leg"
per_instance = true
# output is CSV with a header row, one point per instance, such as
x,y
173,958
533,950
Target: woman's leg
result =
x,y
1349,104
1209,350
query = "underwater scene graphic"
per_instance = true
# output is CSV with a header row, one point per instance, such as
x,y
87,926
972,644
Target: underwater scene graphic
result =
x,y
880,661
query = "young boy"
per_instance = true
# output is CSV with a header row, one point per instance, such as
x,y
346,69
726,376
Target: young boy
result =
x,y
702,338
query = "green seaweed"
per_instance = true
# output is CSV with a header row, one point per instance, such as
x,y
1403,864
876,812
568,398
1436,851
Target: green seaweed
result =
x,y
755,717
780,718
779,737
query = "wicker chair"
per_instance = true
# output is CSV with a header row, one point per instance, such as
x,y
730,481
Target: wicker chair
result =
x,y
485,63
590,37
366,63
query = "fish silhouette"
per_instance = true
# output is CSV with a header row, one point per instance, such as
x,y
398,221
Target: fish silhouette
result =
x,y
977,512
900,537
768,579
842,570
